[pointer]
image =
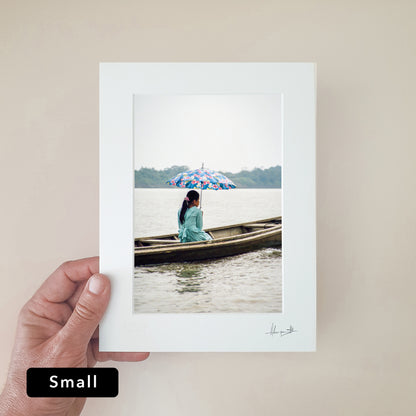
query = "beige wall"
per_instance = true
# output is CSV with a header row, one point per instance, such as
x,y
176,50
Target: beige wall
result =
x,y
366,147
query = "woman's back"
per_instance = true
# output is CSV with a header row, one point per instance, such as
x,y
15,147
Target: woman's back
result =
x,y
191,228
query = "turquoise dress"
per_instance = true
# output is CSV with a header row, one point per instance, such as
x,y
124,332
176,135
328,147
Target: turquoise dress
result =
x,y
191,229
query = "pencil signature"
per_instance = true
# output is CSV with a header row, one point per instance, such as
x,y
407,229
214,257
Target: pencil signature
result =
x,y
282,333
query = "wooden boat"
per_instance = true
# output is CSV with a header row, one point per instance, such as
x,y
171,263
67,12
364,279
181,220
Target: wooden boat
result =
x,y
226,241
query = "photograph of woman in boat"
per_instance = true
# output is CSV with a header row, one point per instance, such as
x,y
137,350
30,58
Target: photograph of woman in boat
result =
x,y
207,204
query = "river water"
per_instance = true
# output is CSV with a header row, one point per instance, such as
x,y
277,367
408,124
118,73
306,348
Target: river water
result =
x,y
251,282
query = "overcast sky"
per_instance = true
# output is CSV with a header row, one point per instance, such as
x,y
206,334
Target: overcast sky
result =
x,y
225,132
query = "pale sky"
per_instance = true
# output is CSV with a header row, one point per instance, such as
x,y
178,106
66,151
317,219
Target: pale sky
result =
x,y
227,133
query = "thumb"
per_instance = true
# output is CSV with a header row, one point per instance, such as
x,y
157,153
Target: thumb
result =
x,y
88,311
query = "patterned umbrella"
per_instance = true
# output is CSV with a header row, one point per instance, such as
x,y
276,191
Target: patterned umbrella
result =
x,y
201,179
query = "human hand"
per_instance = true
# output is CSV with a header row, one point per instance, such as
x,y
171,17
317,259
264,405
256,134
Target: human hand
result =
x,y
58,327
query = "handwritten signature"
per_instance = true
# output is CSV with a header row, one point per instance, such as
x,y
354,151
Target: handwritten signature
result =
x,y
282,333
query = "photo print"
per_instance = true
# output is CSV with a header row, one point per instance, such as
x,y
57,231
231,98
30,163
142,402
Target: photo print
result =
x,y
225,254
208,206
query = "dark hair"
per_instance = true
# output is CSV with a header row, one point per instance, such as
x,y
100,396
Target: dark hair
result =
x,y
192,196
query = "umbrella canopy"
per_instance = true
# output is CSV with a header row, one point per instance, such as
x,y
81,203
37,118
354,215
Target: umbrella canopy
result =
x,y
202,179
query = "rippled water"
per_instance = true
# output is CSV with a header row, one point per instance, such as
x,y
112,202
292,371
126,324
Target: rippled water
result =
x,y
250,282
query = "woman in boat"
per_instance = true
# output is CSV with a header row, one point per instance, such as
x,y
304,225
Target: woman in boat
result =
x,y
190,220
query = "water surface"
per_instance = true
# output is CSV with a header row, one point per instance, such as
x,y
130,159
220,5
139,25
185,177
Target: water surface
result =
x,y
251,282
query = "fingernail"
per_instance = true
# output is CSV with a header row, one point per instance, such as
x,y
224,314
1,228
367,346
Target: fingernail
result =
x,y
96,285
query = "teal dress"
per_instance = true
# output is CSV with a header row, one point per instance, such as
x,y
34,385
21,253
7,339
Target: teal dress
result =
x,y
191,229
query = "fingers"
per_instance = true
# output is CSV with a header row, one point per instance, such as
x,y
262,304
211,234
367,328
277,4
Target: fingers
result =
x,y
117,356
72,300
88,312
122,356
62,283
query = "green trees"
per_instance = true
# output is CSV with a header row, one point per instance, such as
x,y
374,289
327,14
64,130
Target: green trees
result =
x,y
152,178
256,178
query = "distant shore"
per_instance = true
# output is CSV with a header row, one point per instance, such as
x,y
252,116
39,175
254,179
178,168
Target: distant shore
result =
x,y
251,179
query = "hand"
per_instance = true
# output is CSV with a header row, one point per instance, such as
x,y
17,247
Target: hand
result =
x,y
58,327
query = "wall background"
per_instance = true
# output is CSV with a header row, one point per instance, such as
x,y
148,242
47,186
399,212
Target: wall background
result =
x,y
366,56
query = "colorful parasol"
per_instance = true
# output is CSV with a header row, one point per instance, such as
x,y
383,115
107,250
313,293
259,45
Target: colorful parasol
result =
x,y
202,179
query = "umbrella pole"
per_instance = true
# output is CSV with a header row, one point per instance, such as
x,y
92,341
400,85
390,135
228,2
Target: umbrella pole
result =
x,y
201,186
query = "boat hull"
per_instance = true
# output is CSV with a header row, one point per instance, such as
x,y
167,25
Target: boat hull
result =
x,y
211,249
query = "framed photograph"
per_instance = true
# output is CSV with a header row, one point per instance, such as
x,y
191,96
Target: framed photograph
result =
x,y
207,206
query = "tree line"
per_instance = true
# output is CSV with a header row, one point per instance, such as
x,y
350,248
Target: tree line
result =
x,y
255,178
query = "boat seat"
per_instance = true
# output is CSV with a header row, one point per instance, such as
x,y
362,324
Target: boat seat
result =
x,y
153,241
260,225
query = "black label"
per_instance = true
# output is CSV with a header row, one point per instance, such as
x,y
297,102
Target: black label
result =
x,y
72,382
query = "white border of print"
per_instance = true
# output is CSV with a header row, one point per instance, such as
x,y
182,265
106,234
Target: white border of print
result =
x,y
292,330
